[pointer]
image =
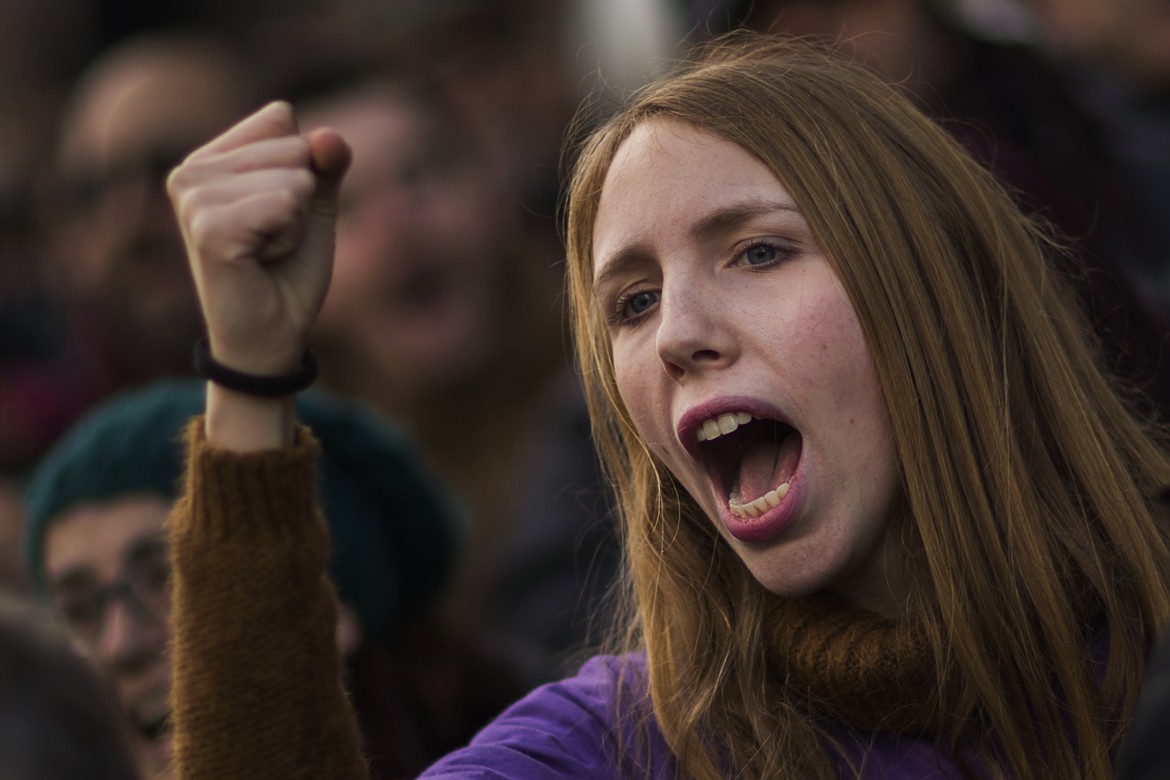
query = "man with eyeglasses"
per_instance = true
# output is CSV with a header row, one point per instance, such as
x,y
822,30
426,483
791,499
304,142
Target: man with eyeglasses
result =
x,y
96,520
95,546
109,583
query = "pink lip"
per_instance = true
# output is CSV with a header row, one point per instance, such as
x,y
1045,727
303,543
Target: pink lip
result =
x,y
753,530
768,526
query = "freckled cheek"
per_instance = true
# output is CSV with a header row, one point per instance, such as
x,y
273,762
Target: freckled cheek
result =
x,y
636,397
646,407
867,436
840,342
845,368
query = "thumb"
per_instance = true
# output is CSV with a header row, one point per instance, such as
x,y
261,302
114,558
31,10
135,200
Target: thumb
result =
x,y
331,157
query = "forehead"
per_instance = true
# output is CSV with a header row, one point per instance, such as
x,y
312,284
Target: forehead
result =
x,y
130,111
373,121
666,178
99,537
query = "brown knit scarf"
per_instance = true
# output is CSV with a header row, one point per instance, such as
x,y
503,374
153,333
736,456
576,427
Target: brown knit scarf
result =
x,y
848,664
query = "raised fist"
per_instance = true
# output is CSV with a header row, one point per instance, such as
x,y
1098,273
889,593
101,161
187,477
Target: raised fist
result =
x,y
257,207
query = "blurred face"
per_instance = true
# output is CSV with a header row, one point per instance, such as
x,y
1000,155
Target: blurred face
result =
x,y
1130,36
415,289
741,361
106,567
116,242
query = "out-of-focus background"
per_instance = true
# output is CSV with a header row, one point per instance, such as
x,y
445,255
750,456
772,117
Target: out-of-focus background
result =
x,y
445,317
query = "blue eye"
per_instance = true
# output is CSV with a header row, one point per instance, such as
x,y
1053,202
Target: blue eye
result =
x,y
761,254
628,309
639,303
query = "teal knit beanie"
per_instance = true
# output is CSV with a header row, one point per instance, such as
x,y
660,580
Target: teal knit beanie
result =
x,y
394,530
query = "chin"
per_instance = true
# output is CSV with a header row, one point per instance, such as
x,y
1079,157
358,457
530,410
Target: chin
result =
x,y
796,579
792,587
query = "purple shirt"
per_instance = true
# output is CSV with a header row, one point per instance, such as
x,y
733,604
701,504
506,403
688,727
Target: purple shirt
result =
x,y
568,729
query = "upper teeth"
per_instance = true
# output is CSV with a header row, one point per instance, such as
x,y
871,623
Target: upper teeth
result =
x,y
722,425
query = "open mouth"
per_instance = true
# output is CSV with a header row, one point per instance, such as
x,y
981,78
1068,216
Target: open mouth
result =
x,y
750,459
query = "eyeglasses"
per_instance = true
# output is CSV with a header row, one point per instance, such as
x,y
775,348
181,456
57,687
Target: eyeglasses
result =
x,y
80,193
143,589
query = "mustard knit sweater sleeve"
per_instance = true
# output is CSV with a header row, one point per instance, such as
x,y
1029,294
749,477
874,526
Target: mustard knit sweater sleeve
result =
x,y
257,689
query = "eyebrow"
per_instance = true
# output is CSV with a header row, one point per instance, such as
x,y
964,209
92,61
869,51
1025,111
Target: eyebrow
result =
x,y
713,224
82,575
145,549
722,220
72,579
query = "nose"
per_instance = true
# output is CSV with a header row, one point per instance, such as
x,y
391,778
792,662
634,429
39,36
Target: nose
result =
x,y
381,212
692,336
391,200
126,641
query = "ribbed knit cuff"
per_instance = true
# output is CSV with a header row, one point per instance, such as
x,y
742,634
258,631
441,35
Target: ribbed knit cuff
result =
x,y
244,493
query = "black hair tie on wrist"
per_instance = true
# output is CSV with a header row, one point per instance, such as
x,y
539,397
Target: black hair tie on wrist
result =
x,y
300,378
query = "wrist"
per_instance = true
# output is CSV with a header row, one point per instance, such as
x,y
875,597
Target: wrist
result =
x,y
274,385
247,423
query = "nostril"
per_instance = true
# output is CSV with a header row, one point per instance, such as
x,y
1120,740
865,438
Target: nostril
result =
x,y
673,370
676,370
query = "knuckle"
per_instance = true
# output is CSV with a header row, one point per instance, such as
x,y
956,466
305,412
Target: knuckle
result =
x,y
303,182
276,209
290,207
177,180
201,233
192,201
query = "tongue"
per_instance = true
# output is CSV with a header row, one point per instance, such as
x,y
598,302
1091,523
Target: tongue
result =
x,y
765,465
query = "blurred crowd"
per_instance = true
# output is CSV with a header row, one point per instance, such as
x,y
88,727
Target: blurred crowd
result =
x,y
478,555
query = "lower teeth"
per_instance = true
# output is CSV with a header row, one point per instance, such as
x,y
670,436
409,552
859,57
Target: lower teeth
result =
x,y
762,504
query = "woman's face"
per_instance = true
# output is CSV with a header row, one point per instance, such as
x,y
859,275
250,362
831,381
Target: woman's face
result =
x,y
742,363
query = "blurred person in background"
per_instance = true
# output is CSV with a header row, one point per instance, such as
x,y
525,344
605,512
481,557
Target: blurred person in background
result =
x,y
58,719
1018,115
444,312
96,548
96,296
1118,57
1129,40
42,45
420,302
509,69
115,256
